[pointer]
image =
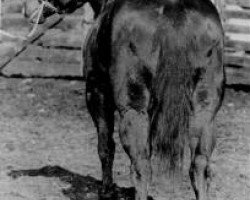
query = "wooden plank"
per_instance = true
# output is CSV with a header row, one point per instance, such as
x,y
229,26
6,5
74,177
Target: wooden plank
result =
x,y
27,68
240,59
237,76
70,22
7,49
238,45
54,38
238,36
17,20
39,54
238,41
237,26
243,14
242,3
12,6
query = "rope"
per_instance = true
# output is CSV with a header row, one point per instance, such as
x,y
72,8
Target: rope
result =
x,y
26,43
5,33
40,12
33,36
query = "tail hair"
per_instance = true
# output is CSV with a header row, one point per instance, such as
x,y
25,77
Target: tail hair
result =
x,y
171,109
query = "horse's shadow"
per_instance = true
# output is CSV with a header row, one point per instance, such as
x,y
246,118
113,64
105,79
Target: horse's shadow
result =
x,y
82,187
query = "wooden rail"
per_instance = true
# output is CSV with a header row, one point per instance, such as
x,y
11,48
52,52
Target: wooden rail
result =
x,y
56,53
235,15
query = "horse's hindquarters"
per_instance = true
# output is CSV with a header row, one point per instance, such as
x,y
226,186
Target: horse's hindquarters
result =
x,y
165,77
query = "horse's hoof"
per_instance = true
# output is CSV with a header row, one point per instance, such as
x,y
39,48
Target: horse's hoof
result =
x,y
210,171
107,196
14,174
107,193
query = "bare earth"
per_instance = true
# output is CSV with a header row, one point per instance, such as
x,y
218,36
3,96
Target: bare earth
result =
x,y
47,132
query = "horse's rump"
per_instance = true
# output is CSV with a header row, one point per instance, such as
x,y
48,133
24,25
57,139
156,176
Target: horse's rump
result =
x,y
174,56
162,67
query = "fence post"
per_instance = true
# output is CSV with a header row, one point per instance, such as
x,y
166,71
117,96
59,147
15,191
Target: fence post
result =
x,y
0,14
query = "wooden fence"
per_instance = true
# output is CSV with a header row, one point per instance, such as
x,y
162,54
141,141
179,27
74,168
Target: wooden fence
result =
x,y
235,15
58,51
55,54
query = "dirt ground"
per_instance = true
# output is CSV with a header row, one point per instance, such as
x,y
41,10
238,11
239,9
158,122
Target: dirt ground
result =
x,y
47,132
47,135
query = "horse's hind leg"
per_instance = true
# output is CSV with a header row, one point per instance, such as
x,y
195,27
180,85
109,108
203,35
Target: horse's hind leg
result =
x,y
101,107
132,99
134,137
201,146
206,102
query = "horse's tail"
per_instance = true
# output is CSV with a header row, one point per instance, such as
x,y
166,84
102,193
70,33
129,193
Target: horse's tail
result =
x,y
171,107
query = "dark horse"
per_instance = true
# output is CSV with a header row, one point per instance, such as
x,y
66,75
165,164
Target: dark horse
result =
x,y
159,63
31,8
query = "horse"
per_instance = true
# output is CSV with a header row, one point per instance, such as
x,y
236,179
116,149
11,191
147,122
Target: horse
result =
x,y
159,64
30,9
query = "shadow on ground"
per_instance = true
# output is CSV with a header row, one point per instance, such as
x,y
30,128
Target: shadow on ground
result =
x,y
82,187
